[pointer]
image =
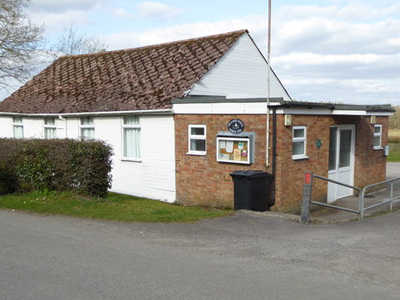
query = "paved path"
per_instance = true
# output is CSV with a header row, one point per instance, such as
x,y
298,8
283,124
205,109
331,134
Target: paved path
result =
x,y
246,256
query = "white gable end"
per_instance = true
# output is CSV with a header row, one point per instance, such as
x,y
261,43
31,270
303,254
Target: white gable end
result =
x,y
241,73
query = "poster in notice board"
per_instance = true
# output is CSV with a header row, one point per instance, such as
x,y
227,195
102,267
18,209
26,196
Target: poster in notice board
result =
x,y
233,150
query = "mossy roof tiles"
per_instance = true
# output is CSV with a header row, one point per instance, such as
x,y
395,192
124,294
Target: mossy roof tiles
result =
x,y
145,78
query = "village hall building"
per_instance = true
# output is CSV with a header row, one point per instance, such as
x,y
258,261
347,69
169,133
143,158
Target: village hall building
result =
x,y
182,116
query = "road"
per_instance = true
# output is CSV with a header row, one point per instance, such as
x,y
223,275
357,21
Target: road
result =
x,y
245,256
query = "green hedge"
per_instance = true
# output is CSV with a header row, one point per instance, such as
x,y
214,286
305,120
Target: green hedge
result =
x,y
59,164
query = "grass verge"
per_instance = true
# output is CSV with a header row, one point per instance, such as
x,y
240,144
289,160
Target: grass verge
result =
x,y
116,207
393,156
394,136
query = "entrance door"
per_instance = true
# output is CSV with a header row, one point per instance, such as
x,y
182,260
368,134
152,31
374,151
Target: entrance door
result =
x,y
341,161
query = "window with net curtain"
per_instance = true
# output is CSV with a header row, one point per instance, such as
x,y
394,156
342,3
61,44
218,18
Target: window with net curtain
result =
x,y
87,128
18,128
131,137
50,130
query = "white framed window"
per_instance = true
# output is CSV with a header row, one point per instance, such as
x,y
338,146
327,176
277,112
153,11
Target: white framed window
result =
x,y
131,138
299,142
197,139
50,129
377,136
87,128
18,128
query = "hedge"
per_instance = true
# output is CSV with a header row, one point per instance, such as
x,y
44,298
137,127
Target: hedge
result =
x,y
57,164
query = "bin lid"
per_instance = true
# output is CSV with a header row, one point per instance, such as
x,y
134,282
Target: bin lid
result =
x,y
250,174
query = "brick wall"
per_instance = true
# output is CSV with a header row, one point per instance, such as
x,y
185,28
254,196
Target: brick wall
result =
x,y
369,164
201,180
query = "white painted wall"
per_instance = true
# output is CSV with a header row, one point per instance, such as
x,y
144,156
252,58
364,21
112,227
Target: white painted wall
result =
x,y
241,73
6,130
153,177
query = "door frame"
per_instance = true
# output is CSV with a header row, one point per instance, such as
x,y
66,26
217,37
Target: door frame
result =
x,y
333,189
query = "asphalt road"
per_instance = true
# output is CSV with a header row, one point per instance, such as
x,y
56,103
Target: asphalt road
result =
x,y
246,256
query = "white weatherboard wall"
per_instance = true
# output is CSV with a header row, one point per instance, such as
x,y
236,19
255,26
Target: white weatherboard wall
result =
x,y
153,177
241,73
6,130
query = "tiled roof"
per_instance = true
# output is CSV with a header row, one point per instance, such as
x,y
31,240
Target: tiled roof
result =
x,y
144,78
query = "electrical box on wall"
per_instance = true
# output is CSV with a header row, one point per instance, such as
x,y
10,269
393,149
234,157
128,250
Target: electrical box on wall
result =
x,y
235,148
288,120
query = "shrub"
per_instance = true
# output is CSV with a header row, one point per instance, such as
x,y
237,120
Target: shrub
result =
x,y
83,166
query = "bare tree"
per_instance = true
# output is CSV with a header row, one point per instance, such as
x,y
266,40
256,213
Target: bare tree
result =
x,y
20,41
71,42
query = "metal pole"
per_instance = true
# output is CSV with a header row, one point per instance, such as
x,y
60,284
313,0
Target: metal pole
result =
x,y
307,190
391,195
361,204
268,85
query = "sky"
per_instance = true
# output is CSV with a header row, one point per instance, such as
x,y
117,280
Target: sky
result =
x,y
329,51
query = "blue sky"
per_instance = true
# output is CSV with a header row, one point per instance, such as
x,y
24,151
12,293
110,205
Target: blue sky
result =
x,y
336,51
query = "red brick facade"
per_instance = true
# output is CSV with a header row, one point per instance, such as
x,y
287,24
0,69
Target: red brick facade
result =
x,y
201,180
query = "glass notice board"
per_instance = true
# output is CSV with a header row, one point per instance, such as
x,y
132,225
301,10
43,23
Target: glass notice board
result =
x,y
234,150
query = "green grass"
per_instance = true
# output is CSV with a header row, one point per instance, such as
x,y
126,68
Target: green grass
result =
x,y
394,136
116,207
394,139
393,156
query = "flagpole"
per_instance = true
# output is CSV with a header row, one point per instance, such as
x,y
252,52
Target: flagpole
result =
x,y
268,86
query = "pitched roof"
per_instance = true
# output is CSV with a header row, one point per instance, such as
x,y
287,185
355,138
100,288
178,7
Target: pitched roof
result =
x,y
133,79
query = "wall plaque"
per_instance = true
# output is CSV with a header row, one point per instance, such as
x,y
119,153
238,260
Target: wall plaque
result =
x,y
235,126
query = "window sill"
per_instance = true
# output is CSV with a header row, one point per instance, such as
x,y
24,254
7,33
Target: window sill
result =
x,y
299,157
127,159
378,148
197,153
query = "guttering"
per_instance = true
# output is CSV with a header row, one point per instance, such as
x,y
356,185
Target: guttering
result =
x,y
315,108
101,113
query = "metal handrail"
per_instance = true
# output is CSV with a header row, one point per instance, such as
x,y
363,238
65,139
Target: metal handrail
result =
x,y
391,199
336,206
361,197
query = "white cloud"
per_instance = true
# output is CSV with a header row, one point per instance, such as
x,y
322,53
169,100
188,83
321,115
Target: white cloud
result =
x,y
148,10
345,54
63,5
182,31
156,10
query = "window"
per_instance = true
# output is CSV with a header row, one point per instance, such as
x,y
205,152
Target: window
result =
x,y
50,129
87,128
18,128
197,139
299,142
131,137
377,137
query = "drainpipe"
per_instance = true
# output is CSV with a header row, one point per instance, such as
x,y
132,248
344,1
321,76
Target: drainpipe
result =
x,y
65,125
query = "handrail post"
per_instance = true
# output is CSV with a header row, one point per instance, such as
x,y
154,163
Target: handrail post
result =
x,y
361,203
307,189
391,195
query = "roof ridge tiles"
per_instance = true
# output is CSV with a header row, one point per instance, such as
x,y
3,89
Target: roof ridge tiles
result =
x,y
158,45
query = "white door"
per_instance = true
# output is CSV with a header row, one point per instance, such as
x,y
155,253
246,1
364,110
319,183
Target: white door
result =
x,y
341,161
